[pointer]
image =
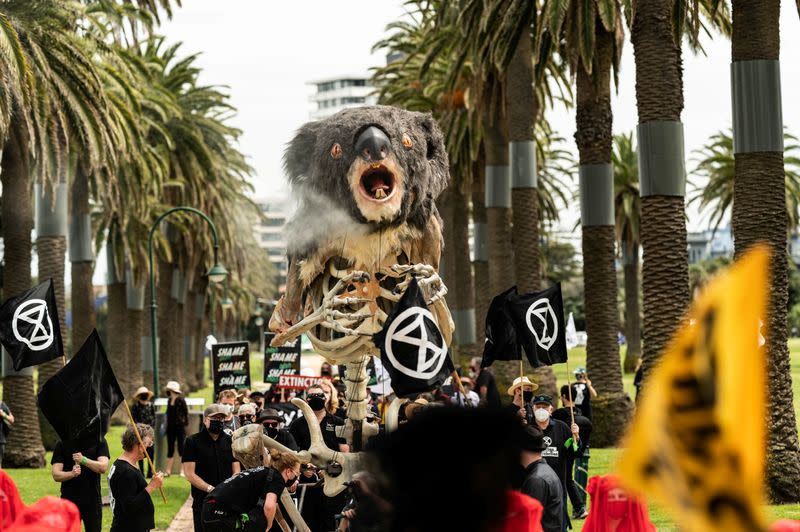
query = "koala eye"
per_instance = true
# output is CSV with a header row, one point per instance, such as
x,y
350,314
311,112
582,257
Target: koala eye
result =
x,y
430,151
407,144
336,151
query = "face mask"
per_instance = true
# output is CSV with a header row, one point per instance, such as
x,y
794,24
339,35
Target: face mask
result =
x,y
316,403
541,415
245,420
617,509
290,481
527,396
271,431
215,426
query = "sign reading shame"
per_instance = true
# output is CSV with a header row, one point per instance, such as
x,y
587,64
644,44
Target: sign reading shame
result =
x,y
282,360
230,362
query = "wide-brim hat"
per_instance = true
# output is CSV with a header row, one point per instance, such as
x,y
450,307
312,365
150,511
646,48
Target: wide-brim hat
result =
x,y
141,390
269,414
519,382
173,386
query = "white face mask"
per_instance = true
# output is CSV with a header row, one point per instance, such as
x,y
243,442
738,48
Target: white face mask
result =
x,y
541,415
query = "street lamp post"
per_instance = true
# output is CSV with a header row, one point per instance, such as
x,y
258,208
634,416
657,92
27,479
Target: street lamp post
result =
x,y
216,274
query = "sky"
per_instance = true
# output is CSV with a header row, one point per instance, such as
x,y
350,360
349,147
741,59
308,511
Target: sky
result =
x,y
266,52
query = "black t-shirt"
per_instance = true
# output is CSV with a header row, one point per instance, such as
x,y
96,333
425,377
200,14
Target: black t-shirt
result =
x,y
87,486
4,427
485,378
556,435
582,398
241,493
131,505
299,429
213,459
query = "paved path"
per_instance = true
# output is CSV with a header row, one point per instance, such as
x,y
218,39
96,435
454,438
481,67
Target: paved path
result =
x,y
183,520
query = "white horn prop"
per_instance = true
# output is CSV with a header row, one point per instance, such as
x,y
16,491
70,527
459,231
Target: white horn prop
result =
x,y
393,413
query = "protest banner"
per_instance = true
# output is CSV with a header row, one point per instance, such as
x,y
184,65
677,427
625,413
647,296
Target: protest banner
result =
x,y
281,360
230,365
697,441
297,382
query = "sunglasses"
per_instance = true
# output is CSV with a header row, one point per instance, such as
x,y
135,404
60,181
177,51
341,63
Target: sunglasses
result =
x,y
270,423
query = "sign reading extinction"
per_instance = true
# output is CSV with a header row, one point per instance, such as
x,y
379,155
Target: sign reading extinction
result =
x,y
297,382
230,363
282,360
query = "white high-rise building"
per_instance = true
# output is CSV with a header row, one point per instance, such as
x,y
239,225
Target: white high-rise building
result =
x,y
340,92
270,237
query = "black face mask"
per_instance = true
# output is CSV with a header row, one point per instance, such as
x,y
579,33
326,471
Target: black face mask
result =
x,y
245,420
316,402
290,481
527,396
215,426
271,431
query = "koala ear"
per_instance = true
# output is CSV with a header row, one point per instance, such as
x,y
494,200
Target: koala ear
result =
x,y
435,153
299,152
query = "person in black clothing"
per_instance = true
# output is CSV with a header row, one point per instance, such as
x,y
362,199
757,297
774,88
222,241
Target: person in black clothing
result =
x,y
522,392
318,510
177,421
248,500
541,482
576,494
79,472
270,419
6,421
144,412
257,399
485,384
583,392
208,459
129,493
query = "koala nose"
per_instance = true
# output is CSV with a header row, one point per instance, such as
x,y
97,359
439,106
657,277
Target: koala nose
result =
x,y
373,144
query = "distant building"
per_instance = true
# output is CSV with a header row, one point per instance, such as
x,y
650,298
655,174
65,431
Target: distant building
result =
x,y
341,92
708,244
270,237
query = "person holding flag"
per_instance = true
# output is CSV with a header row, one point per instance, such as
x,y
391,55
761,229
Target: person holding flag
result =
x,y
79,474
6,421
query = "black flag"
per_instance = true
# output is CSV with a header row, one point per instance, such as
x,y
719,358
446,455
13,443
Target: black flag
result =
x,y
501,337
413,349
29,327
539,321
78,400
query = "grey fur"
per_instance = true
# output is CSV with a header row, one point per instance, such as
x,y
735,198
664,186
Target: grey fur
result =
x,y
314,174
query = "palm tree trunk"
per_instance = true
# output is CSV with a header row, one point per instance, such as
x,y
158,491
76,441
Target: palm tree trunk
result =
x,y
447,268
593,136
178,295
135,299
659,95
480,264
84,318
24,445
51,248
633,332
759,215
167,308
117,314
188,340
147,343
463,302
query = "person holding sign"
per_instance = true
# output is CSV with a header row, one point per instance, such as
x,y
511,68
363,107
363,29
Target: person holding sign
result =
x,y
130,494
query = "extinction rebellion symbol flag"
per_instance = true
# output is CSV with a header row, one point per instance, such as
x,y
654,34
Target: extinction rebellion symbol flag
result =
x,y
29,327
413,349
539,322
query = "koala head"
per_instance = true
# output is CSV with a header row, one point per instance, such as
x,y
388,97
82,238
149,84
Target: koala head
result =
x,y
383,165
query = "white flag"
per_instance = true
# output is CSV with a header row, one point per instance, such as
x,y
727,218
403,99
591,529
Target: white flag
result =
x,y
571,333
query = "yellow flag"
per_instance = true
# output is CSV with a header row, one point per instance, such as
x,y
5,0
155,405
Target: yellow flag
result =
x,y
697,444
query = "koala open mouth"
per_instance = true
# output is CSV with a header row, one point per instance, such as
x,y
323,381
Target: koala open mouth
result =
x,y
377,183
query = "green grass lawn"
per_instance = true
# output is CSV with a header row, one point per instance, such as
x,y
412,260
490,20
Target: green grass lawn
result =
x,y
36,483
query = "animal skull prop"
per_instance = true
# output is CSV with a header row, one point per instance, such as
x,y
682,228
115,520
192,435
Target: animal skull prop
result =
x,y
366,182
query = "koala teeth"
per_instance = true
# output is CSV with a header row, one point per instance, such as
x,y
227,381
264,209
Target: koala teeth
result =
x,y
380,194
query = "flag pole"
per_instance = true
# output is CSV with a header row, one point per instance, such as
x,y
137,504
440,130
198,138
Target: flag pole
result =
x,y
460,386
569,393
146,454
521,372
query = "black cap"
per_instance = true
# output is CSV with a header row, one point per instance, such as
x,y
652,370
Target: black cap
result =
x,y
253,395
542,399
532,439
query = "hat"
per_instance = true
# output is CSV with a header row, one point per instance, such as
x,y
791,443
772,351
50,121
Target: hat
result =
x,y
579,371
256,394
532,439
521,381
215,409
143,390
247,408
173,386
269,414
538,399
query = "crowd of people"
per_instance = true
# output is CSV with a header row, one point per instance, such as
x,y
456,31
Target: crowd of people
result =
x,y
542,464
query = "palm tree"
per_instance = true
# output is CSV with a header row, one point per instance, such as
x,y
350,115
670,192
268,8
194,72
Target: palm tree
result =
x,y
628,212
760,215
715,164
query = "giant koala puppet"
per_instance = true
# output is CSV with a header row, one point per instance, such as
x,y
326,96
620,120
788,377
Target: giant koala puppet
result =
x,y
366,182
